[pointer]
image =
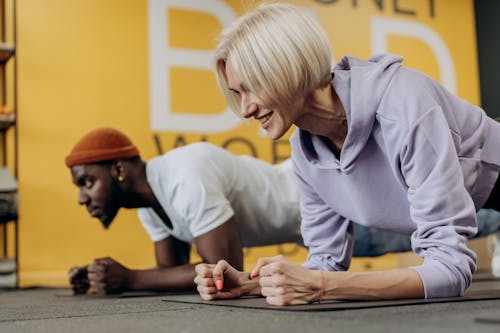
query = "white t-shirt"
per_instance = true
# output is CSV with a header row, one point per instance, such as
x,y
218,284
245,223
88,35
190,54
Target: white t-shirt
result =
x,y
201,186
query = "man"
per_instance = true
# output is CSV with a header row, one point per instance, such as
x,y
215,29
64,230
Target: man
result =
x,y
197,194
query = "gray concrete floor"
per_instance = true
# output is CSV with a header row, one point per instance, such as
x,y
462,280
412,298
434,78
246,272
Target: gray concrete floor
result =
x,y
53,310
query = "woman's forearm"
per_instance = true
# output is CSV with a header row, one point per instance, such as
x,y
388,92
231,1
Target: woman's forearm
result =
x,y
387,284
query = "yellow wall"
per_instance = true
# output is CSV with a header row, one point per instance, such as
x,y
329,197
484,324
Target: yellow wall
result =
x,y
86,63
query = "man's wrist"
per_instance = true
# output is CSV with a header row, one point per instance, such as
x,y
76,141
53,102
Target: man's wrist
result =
x,y
132,280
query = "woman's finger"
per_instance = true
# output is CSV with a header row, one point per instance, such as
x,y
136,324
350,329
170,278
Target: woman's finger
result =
x,y
218,273
256,271
202,281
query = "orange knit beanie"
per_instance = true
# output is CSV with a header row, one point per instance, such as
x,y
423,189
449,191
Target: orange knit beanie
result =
x,y
99,145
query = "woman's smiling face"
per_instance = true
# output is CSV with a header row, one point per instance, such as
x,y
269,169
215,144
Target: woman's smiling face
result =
x,y
275,121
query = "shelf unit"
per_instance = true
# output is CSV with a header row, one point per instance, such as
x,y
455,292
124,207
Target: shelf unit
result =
x,y
9,145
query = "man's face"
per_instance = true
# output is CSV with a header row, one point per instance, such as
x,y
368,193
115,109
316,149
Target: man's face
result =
x,y
98,191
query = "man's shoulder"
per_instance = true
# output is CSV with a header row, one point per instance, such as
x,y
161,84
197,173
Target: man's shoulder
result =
x,y
197,151
195,160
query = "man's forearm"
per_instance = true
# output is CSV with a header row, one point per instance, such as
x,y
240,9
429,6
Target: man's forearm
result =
x,y
167,278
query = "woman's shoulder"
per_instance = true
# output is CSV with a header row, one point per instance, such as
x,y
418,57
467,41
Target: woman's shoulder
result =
x,y
410,95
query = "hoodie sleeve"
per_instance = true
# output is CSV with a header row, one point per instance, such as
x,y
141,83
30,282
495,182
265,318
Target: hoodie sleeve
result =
x,y
328,235
440,206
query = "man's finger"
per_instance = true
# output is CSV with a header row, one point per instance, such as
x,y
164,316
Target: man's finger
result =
x,y
103,261
95,268
73,271
96,277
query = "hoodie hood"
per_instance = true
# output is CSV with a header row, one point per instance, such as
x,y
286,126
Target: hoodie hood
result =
x,y
368,82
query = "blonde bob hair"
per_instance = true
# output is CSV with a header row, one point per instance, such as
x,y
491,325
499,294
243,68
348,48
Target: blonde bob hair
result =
x,y
278,51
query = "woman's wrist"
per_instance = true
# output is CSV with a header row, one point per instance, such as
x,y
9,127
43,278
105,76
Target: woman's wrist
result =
x,y
318,284
249,287
322,287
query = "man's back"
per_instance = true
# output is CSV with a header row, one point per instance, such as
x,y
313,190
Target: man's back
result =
x,y
201,186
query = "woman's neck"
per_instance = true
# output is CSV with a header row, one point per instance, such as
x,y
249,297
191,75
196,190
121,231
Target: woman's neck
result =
x,y
325,116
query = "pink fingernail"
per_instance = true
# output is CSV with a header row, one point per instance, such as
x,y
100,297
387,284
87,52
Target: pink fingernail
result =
x,y
251,276
218,284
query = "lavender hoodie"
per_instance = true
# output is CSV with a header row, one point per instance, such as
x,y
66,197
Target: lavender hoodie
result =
x,y
416,160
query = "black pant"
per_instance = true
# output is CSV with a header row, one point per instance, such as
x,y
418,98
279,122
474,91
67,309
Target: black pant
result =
x,y
494,199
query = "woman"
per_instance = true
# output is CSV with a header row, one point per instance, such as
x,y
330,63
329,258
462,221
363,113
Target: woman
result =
x,y
377,144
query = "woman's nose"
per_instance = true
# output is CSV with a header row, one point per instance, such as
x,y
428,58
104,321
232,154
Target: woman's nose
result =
x,y
248,107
